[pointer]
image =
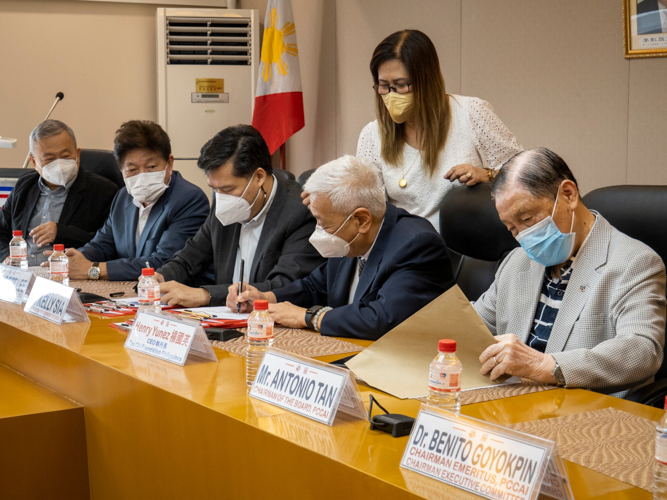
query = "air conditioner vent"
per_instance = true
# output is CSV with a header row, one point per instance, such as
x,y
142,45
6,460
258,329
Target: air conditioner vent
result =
x,y
209,40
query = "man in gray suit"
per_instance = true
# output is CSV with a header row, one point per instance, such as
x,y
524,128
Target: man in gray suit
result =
x,y
255,216
579,304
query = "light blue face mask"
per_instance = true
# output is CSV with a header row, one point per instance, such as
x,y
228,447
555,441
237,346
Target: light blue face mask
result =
x,y
545,244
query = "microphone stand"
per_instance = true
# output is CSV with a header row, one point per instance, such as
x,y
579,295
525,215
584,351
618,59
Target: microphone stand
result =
x,y
59,97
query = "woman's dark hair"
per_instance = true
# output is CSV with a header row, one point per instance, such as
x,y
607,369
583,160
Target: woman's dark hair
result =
x,y
540,171
141,134
431,104
241,143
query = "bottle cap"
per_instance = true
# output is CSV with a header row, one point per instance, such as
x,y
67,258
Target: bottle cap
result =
x,y
17,233
446,345
58,248
147,271
261,305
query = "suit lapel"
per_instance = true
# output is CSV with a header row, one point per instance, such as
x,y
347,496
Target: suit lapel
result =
x,y
232,233
73,198
582,282
526,297
340,290
375,258
30,203
270,223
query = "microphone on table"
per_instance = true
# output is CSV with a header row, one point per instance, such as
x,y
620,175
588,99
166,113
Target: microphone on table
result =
x,y
59,97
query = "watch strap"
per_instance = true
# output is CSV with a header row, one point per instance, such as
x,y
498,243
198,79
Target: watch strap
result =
x,y
309,315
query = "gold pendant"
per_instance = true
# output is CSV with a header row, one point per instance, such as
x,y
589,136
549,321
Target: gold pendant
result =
x,y
402,183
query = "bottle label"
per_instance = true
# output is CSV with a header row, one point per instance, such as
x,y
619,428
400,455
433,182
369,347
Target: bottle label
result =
x,y
661,450
60,268
18,252
260,331
444,381
149,296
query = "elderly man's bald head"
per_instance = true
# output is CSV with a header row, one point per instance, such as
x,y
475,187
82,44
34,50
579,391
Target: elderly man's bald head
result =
x,y
539,171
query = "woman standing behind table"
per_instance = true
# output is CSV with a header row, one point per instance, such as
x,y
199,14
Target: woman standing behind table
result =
x,y
424,139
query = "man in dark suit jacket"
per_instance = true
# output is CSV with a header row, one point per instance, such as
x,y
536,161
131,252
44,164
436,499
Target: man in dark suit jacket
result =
x,y
255,216
384,263
58,202
649,20
151,218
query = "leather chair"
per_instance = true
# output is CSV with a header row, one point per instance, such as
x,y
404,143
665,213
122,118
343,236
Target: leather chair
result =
x,y
283,174
477,240
641,213
102,162
303,178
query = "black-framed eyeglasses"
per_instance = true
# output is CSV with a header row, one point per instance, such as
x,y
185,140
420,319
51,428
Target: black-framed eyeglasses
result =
x,y
400,88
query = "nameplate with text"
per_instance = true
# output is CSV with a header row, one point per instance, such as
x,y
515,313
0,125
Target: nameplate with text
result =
x,y
14,283
55,302
476,456
169,339
307,387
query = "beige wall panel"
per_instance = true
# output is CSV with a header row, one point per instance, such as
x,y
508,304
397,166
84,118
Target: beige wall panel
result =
x,y
102,56
360,26
647,133
555,73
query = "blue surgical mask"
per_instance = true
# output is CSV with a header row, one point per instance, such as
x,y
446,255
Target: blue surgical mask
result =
x,y
545,244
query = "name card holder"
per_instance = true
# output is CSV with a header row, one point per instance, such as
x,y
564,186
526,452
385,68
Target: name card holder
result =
x,y
483,458
55,302
15,284
307,387
169,338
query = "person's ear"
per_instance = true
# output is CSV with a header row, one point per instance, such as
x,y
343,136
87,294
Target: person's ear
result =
x,y
34,163
571,193
78,157
261,176
364,219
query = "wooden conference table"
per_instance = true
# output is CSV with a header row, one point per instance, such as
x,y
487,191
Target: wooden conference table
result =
x,y
155,430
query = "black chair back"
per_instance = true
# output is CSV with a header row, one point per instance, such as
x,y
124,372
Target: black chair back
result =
x,y
305,176
641,213
283,174
477,240
102,162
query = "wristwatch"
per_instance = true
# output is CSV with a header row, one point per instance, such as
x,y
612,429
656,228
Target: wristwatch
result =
x,y
491,174
309,316
94,272
557,374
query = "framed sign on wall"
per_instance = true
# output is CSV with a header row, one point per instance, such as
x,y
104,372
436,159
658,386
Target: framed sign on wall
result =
x,y
645,28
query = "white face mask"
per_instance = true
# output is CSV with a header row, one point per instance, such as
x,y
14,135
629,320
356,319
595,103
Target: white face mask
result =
x,y
146,187
330,245
60,172
230,209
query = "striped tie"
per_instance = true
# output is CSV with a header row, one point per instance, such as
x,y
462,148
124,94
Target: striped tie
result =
x,y
362,263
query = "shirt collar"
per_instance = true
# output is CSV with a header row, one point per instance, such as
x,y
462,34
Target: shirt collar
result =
x,y
259,218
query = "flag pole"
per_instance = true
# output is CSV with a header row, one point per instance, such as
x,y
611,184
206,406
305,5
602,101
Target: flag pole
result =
x,y
282,156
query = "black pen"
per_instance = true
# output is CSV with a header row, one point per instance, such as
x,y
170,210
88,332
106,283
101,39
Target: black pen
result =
x,y
238,305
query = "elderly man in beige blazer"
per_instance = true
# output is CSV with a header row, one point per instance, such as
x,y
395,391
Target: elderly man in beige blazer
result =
x,y
579,304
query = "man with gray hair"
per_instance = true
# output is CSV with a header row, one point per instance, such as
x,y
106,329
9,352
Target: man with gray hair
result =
x,y
57,202
383,265
579,304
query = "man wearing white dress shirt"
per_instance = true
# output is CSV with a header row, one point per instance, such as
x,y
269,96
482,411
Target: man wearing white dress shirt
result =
x,y
255,217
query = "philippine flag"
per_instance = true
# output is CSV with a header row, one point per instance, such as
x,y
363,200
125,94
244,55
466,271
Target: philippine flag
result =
x,y
278,110
4,194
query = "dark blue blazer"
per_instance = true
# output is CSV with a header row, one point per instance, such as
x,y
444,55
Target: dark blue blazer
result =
x,y
408,267
174,218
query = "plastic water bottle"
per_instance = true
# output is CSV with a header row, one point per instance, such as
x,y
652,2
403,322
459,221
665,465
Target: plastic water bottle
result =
x,y
18,251
149,292
260,336
59,265
444,383
660,468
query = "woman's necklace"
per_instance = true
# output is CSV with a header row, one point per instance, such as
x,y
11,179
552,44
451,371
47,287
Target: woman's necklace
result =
x,y
403,182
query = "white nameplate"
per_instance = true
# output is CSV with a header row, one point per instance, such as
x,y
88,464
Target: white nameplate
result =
x,y
476,456
55,302
307,387
14,283
168,338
